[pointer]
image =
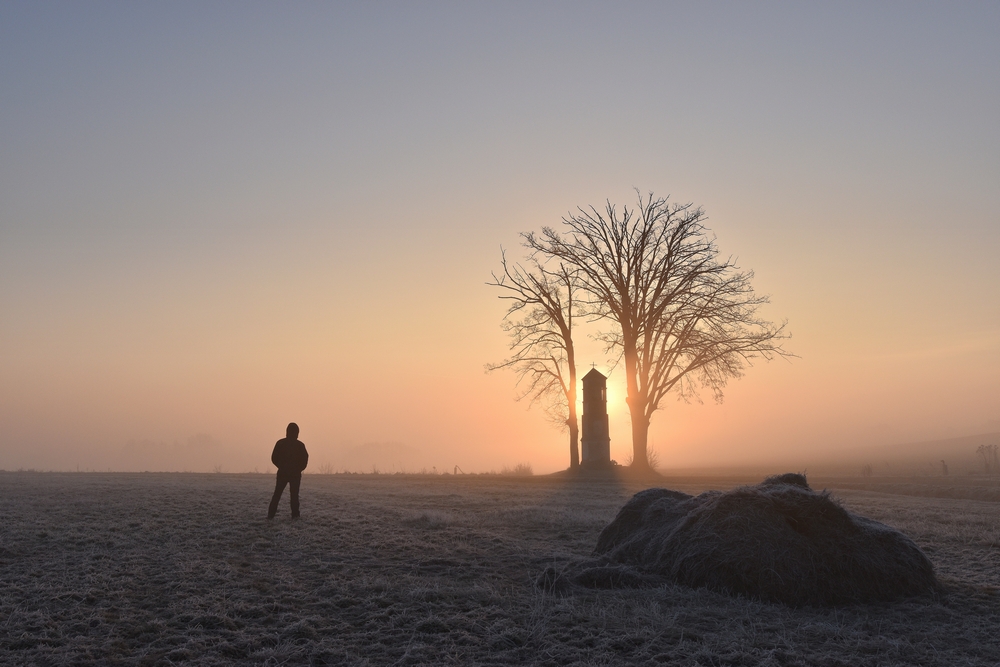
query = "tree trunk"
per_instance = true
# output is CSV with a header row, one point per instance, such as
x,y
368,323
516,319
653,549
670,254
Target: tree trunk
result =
x,y
636,403
574,422
640,438
574,440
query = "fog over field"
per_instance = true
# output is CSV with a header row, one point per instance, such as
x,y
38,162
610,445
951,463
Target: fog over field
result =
x,y
215,220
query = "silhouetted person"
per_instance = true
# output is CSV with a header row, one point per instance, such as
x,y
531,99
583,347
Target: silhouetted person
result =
x,y
290,457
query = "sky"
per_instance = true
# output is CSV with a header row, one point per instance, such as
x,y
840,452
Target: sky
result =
x,y
216,218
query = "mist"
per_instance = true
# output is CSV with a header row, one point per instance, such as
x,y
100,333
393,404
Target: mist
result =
x,y
215,223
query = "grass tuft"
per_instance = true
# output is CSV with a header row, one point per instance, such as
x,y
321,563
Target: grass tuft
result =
x,y
519,470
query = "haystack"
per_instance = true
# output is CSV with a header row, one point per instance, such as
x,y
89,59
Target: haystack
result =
x,y
778,541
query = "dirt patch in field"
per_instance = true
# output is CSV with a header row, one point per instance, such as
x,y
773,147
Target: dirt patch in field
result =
x,y
778,541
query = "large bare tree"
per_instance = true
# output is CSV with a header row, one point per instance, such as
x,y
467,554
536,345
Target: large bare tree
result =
x,y
683,318
540,324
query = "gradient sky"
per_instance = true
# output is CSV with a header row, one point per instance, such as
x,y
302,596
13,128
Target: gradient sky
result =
x,y
217,218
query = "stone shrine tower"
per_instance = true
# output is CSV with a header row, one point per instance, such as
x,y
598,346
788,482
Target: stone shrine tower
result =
x,y
595,441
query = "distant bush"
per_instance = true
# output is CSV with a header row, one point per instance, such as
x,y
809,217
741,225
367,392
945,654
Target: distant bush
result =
x,y
520,470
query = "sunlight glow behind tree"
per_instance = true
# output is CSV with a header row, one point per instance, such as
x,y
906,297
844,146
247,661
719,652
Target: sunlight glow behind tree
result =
x,y
683,319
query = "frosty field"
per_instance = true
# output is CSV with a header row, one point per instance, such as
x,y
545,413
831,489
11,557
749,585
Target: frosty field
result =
x,y
161,569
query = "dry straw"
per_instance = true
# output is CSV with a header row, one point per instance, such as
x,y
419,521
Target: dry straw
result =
x,y
779,541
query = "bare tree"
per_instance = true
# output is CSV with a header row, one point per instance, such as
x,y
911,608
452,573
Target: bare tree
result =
x,y
991,461
683,318
540,324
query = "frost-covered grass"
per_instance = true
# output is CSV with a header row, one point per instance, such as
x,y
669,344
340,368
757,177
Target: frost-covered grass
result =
x,y
159,569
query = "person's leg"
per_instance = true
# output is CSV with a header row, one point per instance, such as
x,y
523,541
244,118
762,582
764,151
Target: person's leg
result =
x,y
293,488
279,486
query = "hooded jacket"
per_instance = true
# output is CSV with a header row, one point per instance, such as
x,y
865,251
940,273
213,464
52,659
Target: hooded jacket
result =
x,y
290,456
